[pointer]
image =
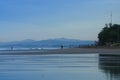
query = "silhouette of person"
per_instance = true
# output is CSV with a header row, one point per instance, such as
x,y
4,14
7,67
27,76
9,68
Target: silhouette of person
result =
x,y
61,46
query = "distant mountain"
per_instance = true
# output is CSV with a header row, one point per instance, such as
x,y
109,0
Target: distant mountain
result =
x,y
47,43
27,40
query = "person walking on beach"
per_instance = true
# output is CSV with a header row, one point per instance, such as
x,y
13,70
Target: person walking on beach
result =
x,y
11,48
61,46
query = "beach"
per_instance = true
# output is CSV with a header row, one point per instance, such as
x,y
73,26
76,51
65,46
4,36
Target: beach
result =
x,y
62,51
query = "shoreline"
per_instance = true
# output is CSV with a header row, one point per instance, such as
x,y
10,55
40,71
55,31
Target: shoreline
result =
x,y
62,51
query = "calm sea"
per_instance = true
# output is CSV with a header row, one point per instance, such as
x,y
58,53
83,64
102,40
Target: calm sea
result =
x,y
59,67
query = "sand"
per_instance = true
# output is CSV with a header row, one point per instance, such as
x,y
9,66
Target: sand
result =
x,y
64,51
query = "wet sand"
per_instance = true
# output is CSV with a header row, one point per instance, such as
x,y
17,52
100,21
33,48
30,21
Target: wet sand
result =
x,y
63,51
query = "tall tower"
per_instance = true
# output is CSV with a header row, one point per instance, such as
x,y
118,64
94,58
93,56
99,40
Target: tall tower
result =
x,y
110,24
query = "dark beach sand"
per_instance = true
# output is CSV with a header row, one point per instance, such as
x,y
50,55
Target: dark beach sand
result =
x,y
64,51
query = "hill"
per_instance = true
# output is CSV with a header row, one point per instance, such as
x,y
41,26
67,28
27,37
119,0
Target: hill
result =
x,y
47,43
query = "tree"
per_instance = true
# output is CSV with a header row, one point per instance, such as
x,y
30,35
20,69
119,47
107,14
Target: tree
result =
x,y
109,35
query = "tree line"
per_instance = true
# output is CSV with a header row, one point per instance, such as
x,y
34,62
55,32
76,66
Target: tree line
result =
x,y
109,35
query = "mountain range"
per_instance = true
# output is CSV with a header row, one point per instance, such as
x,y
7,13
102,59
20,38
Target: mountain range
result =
x,y
29,43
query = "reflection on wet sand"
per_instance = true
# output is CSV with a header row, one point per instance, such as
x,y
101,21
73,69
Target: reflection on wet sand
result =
x,y
110,65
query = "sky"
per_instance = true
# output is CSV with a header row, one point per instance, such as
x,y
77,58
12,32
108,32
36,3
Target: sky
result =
x,y
49,19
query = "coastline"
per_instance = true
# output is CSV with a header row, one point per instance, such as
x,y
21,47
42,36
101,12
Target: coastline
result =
x,y
63,51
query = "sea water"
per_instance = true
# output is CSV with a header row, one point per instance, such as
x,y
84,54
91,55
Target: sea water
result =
x,y
59,67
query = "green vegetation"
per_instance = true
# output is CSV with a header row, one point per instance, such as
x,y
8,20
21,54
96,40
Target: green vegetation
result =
x,y
110,36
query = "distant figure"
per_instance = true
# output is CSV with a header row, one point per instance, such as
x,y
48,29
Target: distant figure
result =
x,y
12,48
61,46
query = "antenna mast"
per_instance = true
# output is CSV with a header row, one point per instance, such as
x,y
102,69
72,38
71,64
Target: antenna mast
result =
x,y
110,20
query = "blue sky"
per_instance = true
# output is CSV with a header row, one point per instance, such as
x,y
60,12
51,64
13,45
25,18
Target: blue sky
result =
x,y
44,19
